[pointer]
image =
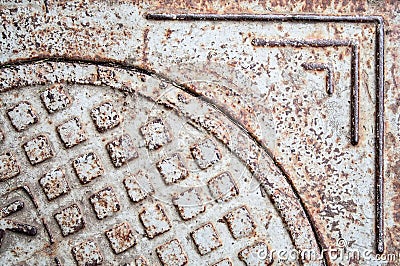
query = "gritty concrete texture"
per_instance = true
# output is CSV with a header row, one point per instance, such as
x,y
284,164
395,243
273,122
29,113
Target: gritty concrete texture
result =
x,y
126,127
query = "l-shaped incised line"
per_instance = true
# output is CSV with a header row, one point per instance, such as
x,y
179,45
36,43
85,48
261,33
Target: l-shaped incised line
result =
x,y
322,67
354,80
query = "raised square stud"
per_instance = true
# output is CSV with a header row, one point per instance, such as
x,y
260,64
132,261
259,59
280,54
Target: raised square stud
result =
x,y
121,237
55,98
206,239
189,203
22,116
155,134
206,153
70,220
87,253
9,167
38,149
138,186
223,187
172,254
223,262
240,222
54,184
140,261
72,133
121,150
251,255
154,220
105,117
87,167
172,169
105,203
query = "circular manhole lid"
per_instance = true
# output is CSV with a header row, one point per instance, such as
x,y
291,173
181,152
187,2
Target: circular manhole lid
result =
x,y
109,165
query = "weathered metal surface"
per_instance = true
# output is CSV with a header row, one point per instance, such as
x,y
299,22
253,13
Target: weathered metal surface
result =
x,y
202,132
121,237
177,194
70,220
206,239
54,184
71,132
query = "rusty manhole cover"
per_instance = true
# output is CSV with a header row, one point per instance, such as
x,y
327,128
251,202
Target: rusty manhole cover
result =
x,y
223,140
99,160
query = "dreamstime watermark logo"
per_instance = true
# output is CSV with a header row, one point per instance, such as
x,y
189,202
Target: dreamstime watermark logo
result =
x,y
341,253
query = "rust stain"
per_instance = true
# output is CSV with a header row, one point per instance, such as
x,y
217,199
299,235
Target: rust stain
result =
x,y
145,46
168,33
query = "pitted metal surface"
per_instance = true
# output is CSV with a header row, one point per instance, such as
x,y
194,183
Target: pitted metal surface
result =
x,y
199,134
155,183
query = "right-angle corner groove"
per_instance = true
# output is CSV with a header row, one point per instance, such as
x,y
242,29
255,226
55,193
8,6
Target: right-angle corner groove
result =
x,y
322,67
354,79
